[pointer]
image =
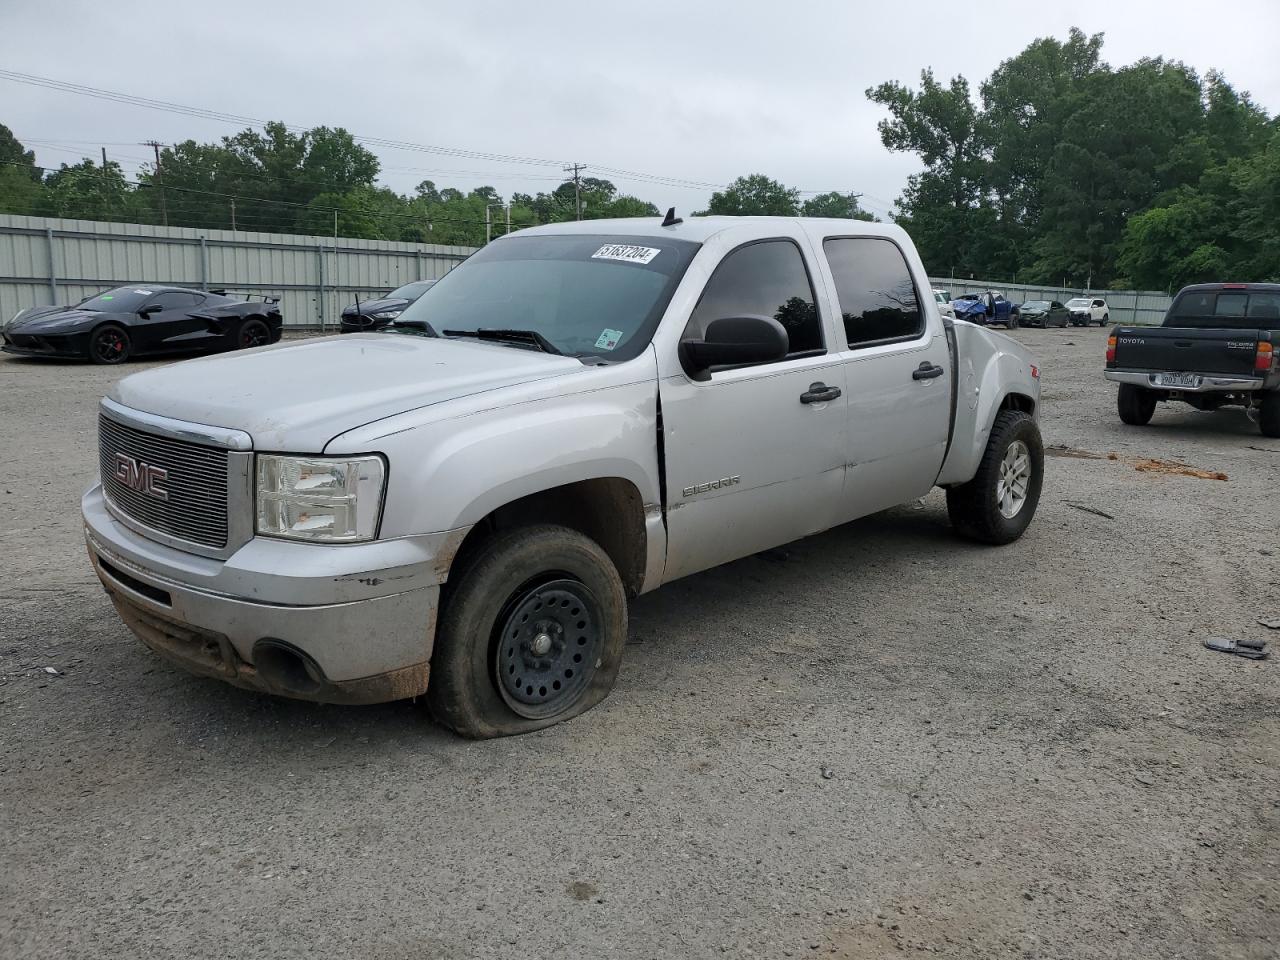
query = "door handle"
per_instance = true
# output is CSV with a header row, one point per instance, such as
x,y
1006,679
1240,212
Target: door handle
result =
x,y
927,371
819,393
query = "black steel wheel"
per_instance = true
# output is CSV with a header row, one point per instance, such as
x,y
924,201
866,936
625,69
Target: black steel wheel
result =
x,y
531,632
109,344
252,333
547,647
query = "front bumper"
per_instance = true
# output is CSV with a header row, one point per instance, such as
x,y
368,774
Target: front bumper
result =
x,y
55,346
336,624
1209,383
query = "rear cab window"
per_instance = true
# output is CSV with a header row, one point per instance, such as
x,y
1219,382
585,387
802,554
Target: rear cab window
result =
x,y
1227,309
878,299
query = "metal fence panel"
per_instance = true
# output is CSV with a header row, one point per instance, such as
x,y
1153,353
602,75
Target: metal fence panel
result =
x,y
49,260
1129,307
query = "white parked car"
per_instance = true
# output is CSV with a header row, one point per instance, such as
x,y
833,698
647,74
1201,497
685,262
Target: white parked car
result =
x,y
943,297
1087,310
462,505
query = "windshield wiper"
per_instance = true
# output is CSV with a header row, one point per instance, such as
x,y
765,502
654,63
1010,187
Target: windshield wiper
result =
x,y
422,325
510,336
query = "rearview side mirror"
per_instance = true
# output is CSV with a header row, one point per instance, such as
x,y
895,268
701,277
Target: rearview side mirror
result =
x,y
149,309
734,341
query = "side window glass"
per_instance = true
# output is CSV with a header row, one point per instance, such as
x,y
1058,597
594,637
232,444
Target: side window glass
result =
x,y
176,301
877,297
762,279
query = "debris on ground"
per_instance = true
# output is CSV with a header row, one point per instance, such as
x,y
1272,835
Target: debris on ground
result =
x,y
1088,509
53,672
1062,450
827,772
1244,647
1175,469
1271,623
1251,447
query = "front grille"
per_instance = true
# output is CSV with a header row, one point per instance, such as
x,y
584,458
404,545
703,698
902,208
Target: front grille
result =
x,y
196,483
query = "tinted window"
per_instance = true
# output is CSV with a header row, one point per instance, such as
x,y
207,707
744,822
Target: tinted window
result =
x,y
1099,303
762,279
176,301
1058,306
877,296
1229,309
410,291
122,299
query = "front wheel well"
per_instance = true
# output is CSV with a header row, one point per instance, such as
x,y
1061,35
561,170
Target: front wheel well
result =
x,y
609,510
1018,401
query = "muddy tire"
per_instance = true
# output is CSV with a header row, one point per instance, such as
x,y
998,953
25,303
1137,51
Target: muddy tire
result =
x,y
532,633
1269,414
1136,405
109,344
252,332
998,504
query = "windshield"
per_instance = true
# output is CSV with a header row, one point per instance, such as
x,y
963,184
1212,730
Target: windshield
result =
x,y
119,300
585,293
410,291
1036,305
1078,302
941,296
1237,309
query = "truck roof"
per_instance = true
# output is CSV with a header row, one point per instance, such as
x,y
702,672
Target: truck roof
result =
x,y
701,229
1228,285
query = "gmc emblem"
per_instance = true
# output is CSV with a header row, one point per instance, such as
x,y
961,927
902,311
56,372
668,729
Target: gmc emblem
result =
x,y
140,476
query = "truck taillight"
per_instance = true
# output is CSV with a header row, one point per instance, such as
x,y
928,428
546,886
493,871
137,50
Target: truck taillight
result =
x,y
1265,356
1111,349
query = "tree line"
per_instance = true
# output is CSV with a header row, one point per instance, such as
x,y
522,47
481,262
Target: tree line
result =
x,y
1061,170
1066,170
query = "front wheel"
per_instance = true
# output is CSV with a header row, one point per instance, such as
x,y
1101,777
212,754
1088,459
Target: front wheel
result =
x,y
109,344
1136,405
532,633
1106,319
997,505
1013,321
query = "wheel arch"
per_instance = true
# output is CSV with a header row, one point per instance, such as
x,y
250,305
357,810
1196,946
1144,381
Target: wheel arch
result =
x,y
608,509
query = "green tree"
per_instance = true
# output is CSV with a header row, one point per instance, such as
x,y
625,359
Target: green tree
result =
x,y
755,195
14,154
843,206
86,191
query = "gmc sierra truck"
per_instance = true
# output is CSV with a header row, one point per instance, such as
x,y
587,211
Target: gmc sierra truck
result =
x,y
1216,348
459,506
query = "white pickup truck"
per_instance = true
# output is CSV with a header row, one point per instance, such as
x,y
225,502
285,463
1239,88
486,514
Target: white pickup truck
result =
x,y
461,505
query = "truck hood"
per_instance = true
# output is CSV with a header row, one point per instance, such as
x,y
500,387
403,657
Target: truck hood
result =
x,y
297,397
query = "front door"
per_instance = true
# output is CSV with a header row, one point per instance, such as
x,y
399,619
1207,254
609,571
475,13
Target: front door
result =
x,y
899,375
755,454
172,327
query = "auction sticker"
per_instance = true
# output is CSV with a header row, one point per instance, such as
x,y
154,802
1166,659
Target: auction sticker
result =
x,y
626,253
609,338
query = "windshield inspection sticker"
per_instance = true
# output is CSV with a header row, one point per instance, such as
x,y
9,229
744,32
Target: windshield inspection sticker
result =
x,y
609,338
626,253
145,293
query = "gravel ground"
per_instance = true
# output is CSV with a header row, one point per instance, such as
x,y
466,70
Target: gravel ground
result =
x,y
880,739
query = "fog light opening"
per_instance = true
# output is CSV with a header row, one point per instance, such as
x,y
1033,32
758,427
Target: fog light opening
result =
x,y
285,667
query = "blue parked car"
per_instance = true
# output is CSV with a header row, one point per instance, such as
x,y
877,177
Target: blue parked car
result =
x,y
987,309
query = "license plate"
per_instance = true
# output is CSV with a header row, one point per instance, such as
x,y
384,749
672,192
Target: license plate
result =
x,y
1177,380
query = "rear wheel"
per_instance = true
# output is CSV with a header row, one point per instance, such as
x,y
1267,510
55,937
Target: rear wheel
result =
x,y
1013,321
997,505
1106,319
1269,414
532,633
252,333
109,344
1136,405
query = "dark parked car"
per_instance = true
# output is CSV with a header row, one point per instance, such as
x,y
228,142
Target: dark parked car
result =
x,y
1045,313
364,315
143,320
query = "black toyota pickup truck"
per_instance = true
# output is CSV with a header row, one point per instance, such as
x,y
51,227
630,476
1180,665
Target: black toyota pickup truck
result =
x,y
1217,347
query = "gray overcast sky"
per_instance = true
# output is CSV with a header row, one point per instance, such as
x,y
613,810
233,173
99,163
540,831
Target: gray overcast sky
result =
x,y
700,91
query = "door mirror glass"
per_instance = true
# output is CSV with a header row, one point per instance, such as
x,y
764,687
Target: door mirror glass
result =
x,y
149,309
733,341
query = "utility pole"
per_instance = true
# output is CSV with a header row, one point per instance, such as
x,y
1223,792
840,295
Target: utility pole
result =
x,y
106,200
488,227
576,169
164,210
508,230
233,213
335,225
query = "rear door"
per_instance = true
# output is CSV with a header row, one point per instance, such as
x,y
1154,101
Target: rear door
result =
x,y
749,463
898,370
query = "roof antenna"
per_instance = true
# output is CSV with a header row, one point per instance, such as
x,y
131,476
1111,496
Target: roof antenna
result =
x,y
671,219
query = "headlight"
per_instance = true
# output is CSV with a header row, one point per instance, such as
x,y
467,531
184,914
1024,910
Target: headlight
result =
x,y
331,499
387,314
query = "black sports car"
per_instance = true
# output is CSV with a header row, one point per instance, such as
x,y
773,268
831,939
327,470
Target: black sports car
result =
x,y
1045,313
364,315
142,320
